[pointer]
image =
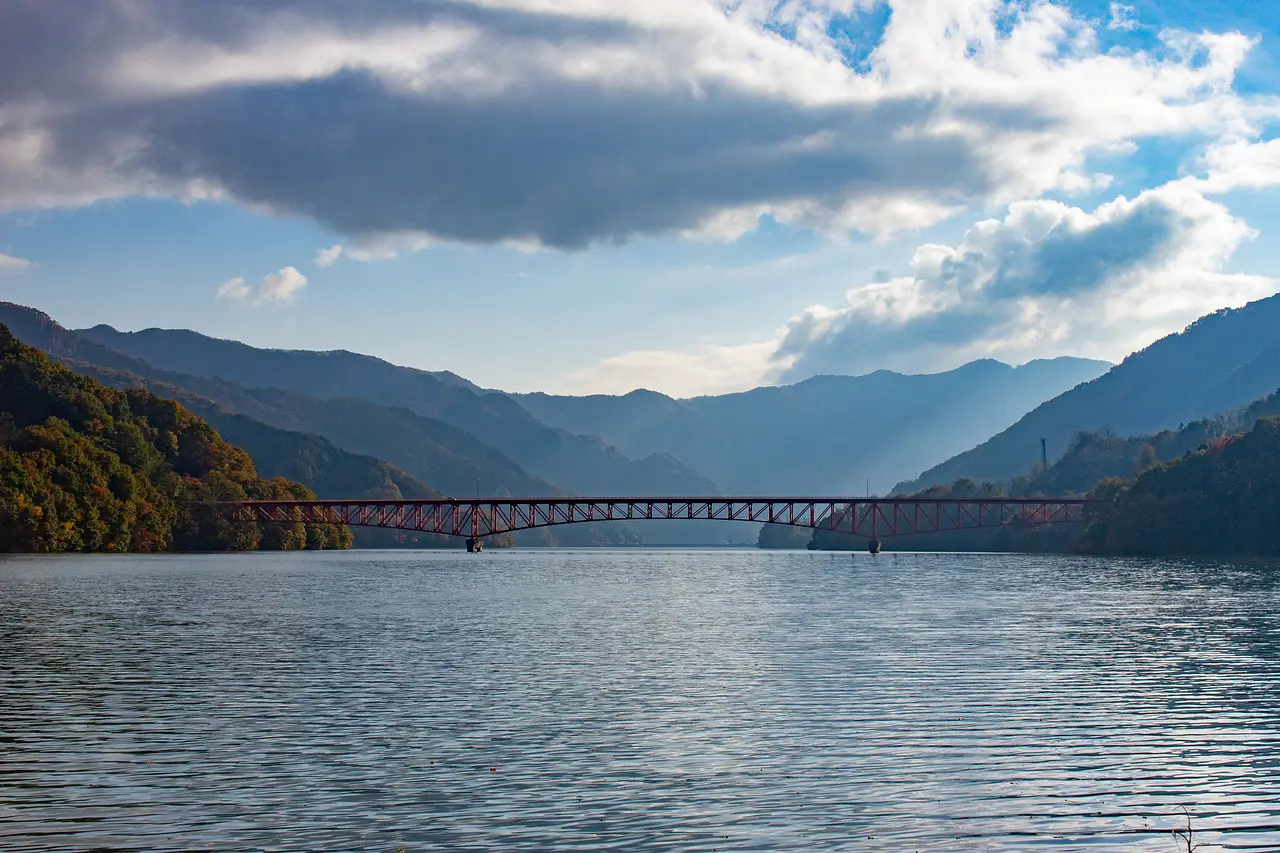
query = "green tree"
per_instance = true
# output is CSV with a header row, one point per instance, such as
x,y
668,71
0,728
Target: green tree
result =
x,y
88,468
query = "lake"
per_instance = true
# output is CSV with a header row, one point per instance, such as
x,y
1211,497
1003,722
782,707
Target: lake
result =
x,y
637,700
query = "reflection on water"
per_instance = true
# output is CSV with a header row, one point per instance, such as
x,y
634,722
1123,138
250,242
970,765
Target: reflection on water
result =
x,y
636,701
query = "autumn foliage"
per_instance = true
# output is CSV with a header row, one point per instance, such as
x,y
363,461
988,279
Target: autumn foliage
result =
x,y
84,467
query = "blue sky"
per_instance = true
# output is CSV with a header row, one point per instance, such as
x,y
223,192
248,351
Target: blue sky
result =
x,y
688,195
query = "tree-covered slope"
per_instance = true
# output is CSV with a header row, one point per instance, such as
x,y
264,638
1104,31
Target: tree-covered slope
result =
x,y
450,459
319,442
318,459
327,470
1223,360
1102,464
1224,499
84,467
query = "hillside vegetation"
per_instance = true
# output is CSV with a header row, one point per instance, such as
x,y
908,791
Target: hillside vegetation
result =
x,y
1220,472
84,467
1224,499
1220,362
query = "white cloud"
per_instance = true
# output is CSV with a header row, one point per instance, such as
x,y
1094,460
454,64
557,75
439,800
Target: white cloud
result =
x,y
1048,279
281,286
1239,164
708,369
1121,17
8,263
276,288
328,257
388,246
235,289
569,122
381,247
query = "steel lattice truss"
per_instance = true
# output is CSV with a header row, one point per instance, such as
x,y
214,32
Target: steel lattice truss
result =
x,y
869,517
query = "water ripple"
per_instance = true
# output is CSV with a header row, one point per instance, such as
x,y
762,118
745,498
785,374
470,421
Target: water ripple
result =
x,y
637,701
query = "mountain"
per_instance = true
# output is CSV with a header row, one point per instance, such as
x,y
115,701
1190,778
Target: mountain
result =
x,y
439,453
316,455
584,464
354,435
328,470
1098,464
184,351
828,434
1095,456
84,467
1222,361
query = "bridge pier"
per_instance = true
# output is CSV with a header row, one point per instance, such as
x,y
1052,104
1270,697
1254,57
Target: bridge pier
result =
x,y
874,546
475,545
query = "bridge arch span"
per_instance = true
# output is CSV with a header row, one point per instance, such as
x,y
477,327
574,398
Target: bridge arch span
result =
x,y
872,518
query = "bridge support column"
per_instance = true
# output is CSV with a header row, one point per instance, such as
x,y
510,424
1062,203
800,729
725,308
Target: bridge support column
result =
x,y
475,545
874,546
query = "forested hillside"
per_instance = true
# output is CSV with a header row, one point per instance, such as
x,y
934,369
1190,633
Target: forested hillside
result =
x,y
1222,361
330,471
1094,456
84,467
1099,464
420,449
333,472
1224,499
427,450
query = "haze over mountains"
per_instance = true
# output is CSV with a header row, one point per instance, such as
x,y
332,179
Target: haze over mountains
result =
x,y
579,463
825,435
339,421
886,424
1222,361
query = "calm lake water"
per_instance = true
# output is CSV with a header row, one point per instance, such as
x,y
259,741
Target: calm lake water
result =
x,y
636,701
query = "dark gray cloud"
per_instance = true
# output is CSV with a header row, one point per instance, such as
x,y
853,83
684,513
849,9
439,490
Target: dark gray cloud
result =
x,y
566,128
569,168
1069,260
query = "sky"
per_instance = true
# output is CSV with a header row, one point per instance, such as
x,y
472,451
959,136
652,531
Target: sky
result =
x,y
691,196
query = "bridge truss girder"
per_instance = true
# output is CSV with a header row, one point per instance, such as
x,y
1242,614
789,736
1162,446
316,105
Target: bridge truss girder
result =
x,y
873,518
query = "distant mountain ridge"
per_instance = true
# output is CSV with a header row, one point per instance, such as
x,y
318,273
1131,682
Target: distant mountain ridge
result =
x,y
581,463
1223,360
827,434
185,351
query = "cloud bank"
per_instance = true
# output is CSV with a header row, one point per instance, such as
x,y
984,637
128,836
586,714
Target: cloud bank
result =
x,y
565,123
1046,278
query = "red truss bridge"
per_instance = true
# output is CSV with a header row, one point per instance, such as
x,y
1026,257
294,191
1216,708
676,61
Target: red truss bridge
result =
x,y
872,518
